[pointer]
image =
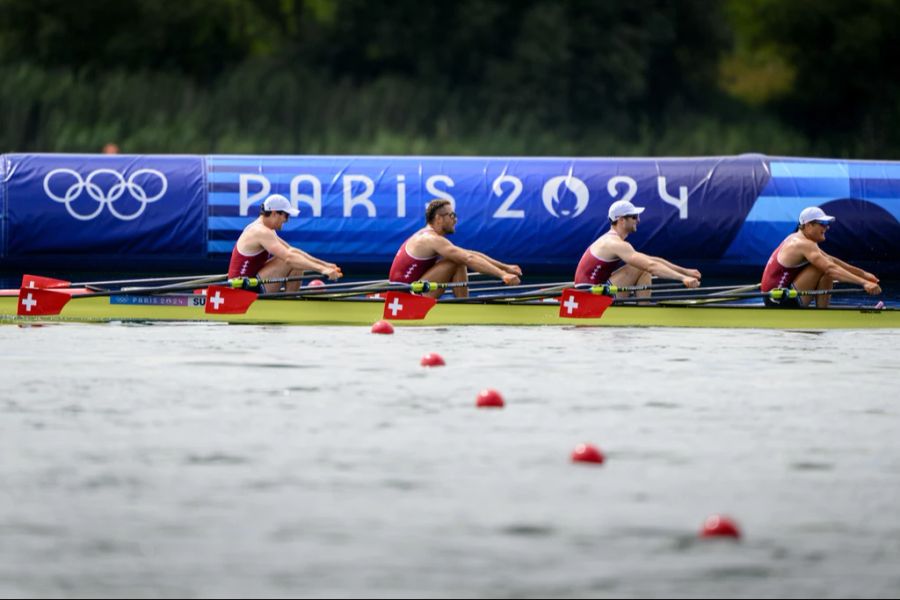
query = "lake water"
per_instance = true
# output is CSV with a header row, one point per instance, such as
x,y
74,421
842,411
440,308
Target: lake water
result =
x,y
202,460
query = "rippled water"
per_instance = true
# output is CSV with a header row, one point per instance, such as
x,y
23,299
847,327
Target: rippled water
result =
x,y
213,460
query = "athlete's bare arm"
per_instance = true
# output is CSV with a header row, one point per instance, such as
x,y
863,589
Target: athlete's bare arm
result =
x,y
514,269
855,270
679,269
472,260
833,268
651,264
296,259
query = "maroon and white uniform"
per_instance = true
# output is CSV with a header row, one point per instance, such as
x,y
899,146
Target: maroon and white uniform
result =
x,y
594,270
246,266
776,275
407,268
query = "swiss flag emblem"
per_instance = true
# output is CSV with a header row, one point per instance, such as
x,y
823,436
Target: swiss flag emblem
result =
x,y
36,301
400,305
221,300
576,304
36,281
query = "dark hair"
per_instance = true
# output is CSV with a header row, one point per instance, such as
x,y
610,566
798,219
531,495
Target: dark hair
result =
x,y
433,207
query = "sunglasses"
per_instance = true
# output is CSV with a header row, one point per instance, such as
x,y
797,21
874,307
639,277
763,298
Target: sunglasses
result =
x,y
825,224
452,215
631,216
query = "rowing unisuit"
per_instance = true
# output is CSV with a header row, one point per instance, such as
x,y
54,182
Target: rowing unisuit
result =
x,y
776,275
242,265
407,268
594,270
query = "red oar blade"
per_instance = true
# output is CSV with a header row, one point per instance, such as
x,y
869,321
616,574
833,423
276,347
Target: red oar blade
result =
x,y
575,304
36,302
221,300
36,281
402,306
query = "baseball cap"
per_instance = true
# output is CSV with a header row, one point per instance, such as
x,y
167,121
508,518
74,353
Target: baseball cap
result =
x,y
622,208
814,213
277,202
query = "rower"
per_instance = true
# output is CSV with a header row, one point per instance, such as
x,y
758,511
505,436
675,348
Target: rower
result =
x,y
429,255
259,252
610,259
798,263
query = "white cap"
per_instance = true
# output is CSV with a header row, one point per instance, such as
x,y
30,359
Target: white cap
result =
x,y
622,208
814,213
277,202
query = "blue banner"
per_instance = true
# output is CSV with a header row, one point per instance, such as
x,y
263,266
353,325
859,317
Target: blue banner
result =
x,y
717,213
535,211
59,204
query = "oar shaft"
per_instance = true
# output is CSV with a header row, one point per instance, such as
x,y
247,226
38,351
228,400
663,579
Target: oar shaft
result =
x,y
146,280
737,295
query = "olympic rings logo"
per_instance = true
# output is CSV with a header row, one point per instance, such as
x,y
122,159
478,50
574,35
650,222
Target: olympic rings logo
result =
x,y
106,197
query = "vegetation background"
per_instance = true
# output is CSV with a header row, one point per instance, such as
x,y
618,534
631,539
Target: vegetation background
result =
x,y
454,77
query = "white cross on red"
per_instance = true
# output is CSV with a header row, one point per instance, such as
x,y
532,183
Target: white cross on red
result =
x,y
29,301
217,300
570,304
395,307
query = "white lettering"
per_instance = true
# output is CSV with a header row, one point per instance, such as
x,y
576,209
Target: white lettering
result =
x,y
440,194
401,195
505,211
680,203
351,201
244,186
314,200
630,191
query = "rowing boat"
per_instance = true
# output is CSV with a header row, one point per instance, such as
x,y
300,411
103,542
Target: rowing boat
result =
x,y
365,311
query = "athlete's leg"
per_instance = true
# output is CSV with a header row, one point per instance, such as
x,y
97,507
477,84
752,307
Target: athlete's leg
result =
x,y
461,275
631,276
811,278
443,271
275,268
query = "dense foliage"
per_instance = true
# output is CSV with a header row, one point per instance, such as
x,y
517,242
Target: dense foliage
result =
x,y
536,77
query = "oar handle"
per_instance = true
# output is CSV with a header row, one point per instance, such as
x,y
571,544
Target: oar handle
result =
x,y
421,287
252,282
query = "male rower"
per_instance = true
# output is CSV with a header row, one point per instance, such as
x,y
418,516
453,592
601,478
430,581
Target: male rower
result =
x,y
428,255
610,259
798,263
259,252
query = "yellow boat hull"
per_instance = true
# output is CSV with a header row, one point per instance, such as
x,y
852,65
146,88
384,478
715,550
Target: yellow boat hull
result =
x,y
365,312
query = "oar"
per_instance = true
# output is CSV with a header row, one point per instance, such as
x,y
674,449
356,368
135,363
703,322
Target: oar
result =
x,y
339,290
776,294
723,296
529,286
508,297
234,282
671,288
32,281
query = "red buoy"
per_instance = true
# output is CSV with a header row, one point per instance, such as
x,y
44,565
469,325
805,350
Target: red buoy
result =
x,y
382,327
489,399
720,526
587,453
432,359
